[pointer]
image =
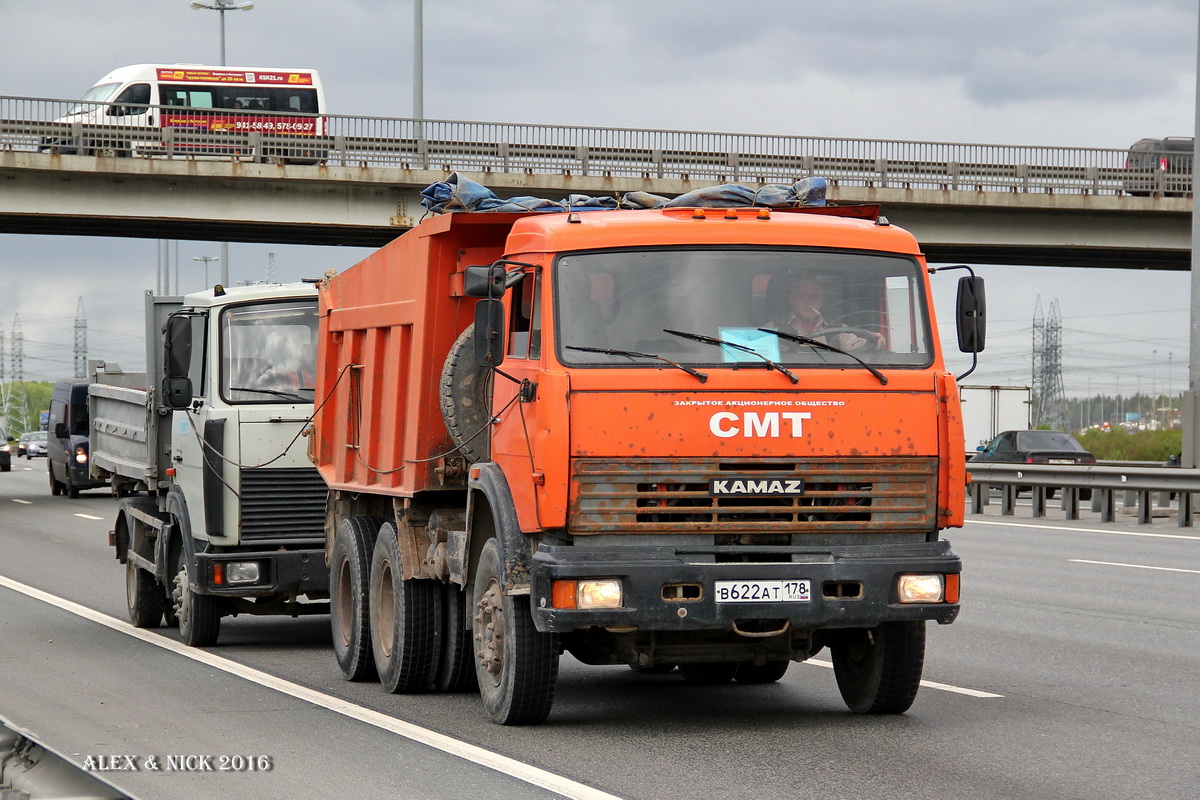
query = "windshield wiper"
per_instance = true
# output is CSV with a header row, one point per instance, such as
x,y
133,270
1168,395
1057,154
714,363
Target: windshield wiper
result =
x,y
795,337
285,395
634,354
699,337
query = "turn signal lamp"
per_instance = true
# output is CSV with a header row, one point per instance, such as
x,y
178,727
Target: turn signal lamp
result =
x,y
591,593
921,589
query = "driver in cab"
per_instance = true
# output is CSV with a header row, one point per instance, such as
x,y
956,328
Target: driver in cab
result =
x,y
805,298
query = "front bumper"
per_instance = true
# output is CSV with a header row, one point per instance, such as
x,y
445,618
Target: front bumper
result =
x,y
649,574
288,571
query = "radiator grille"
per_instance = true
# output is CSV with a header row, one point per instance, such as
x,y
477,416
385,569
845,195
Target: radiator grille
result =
x,y
659,496
280,504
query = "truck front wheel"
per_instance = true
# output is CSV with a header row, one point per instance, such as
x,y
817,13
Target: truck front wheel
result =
x,y
517,666
199,615
144,598
349,579
404,620
879,670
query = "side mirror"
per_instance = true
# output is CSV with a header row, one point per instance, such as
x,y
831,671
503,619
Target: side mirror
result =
x,y
972,314
177,393
178,346
489,333
60,431
484,281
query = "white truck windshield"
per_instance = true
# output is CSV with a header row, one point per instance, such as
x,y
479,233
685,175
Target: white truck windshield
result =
x,y
269,352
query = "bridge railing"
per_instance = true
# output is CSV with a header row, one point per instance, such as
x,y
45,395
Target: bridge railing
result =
x,y
1101,484
30,124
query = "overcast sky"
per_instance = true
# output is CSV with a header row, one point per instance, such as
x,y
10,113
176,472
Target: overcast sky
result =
x,y
1101,73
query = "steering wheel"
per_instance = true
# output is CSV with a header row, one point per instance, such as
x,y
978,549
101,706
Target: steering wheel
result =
x,y
870,338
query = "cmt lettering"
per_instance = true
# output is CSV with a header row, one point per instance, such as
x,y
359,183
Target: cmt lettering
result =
x,y
758,425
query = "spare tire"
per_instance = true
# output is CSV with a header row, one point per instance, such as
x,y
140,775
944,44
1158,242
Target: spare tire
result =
x,y
466,398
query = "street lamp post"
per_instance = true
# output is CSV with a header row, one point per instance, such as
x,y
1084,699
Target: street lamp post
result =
x,y
222,6
206,259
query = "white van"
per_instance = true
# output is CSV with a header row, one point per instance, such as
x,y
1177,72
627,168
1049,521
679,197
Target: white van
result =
x,y
183,109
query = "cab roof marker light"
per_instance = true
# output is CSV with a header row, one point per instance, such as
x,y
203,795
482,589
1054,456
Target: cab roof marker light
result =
x,y
764,214
731,214
699,214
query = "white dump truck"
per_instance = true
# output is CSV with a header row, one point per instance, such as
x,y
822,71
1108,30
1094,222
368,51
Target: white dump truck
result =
x,y
222,512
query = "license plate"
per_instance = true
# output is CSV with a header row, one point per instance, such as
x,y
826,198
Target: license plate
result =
x,y
1060,461
763,591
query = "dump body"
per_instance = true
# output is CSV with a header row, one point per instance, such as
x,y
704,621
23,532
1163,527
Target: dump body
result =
x,y
651,439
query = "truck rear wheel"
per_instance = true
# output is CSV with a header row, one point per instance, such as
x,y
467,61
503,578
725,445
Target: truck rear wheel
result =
x,y
199,615
404,620
465,396
456,664
708,674
879,670
769,672
349,582
144,598
517,666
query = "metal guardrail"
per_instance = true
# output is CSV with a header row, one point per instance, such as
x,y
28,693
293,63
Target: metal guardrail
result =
x,y
29,124
1101,482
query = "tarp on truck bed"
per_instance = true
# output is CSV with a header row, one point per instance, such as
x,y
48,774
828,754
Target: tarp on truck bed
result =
x,y
457,193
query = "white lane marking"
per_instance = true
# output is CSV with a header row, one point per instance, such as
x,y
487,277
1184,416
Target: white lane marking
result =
x,y
22,502
88,516
1133,566
1084,530
469,752
945,687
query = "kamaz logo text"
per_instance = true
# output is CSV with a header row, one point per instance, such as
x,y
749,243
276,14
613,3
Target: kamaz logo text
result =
x,y
748,487
755,425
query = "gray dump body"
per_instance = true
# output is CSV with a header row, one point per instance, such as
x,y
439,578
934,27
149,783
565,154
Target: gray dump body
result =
x,y
130,437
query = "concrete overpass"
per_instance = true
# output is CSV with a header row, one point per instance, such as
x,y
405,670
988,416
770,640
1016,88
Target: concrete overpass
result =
x,y
366,206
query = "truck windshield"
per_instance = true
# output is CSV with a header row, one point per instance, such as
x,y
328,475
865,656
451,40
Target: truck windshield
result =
x,y
269,352
871,305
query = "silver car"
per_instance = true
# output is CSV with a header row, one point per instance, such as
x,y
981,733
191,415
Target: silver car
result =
x,y
32,444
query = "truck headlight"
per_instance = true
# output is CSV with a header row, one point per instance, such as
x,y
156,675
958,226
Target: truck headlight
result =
x,y
921,588
588,593
240,572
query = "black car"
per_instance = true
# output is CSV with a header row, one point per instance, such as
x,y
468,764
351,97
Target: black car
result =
x,y
1035,447
1160,166
6,454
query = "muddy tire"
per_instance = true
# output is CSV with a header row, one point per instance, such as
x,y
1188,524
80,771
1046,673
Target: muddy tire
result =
x,y
145,600
517,666
405,616
349,607
456,664
465,394
879,671
199,615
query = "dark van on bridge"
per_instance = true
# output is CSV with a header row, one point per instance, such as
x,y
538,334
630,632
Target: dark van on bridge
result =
x,y
67,449
1160,167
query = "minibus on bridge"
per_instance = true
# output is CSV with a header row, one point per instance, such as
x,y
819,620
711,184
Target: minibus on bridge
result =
x,y
263,113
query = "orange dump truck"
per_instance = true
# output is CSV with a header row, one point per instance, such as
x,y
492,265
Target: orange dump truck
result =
x,y
710,440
